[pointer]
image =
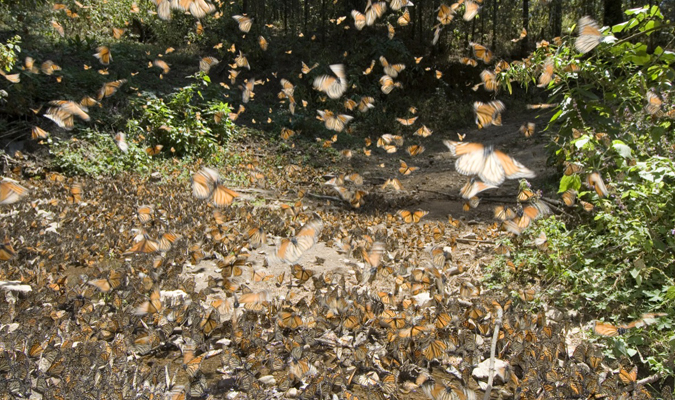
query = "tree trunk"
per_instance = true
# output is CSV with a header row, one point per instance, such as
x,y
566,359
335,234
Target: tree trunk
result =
x,y
495,5
304,25
613,13
557,18
323,21
526,25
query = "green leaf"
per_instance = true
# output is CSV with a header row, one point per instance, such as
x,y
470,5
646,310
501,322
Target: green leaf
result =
x,y
620,27
582,141
621,148
569,182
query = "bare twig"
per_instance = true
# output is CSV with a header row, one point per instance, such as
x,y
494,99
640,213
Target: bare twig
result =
x,y
470,241
650,379
493,350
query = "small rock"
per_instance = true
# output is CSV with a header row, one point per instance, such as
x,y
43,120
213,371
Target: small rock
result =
x,y
292,393
482,370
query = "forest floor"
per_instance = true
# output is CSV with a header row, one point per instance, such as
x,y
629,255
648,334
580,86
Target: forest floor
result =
x,y
217,315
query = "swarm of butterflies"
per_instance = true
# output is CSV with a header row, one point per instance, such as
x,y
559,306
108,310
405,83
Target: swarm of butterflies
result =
x,y
104,282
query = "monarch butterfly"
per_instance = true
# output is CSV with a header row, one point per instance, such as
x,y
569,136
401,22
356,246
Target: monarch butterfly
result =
x,y
255,298
653,103
301,274
199,8
374,257
594,180
522,36
121,142
569,197
234,116
6,250
109,88
359,20
332,122
572,168
527,295
412,216
289,319
163,65
143,245
63,112
166,241
256,237
58,28
391,70
628,377
154,150
589,35
203,182
445,14
527,129
588,207
470,10
468,61
467,289
404,19
501,66
206,63
393,183
374,11
118,32
390,31
473,187
542,106
88,102
388,84
434,350
75,193
609,330
525,195
241,61
472,203
370,68
222,196
145,214
489,80
405,169
415,150
547,74
491,166
151,306
333,86
103,55
247,90
541,240
306,70
406,122
423,131
244,22
488,114
112,282
481,52
38,133
48,67
290,250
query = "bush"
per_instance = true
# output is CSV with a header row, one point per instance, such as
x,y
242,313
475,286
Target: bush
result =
x,y
184,124
616,258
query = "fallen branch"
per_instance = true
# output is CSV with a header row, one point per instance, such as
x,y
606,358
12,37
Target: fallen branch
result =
x,y
470,241
493,350
650,379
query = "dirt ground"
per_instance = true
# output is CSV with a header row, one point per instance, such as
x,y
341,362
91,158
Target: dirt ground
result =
x,y
373,308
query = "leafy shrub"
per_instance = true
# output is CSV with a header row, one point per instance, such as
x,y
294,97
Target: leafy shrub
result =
x,y
179,122
618,260
95,153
